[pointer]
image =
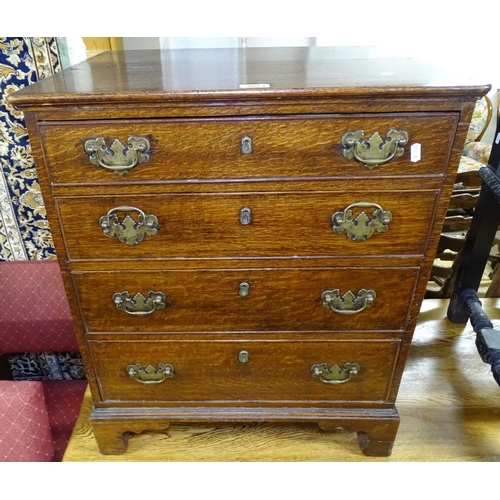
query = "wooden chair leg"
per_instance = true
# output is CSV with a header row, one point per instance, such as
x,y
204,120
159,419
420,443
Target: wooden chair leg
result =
x,y
494,288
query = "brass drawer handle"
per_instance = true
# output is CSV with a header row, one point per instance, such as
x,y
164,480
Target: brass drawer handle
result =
x,y
246,145
348,303
129,231
361,227
335,374
374,151
150,374
140,305
117,158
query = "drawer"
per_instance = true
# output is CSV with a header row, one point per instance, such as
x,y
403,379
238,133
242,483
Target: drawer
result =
x,y
217,371
321,299
247,225
210,149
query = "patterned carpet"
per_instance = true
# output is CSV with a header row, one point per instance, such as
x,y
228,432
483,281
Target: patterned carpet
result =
x,y
24,230
46,366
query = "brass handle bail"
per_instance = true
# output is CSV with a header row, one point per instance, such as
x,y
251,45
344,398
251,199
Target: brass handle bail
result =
x,y
129,231
335,374
361,227
150,374
348,303
117,158
374,151
140,305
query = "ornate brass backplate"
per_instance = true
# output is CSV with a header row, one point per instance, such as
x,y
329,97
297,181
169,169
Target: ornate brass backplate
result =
x,y
117,158
361,227
150,374
348,303
140,305
335,374
129,231
374,151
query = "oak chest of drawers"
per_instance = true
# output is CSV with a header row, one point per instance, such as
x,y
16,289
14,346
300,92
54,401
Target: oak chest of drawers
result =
x,y
246,235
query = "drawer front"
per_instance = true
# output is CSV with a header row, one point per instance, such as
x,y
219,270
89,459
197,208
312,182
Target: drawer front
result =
x,y
232,148
326,299
247,225
244,371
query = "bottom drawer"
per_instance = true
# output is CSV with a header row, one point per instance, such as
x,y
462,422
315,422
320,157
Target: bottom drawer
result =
x,y
257,371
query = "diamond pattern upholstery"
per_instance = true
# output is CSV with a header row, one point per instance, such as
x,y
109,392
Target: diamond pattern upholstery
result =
x,y
63,399
24,422
34,308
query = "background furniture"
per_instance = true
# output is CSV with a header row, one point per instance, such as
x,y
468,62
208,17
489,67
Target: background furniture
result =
x,y
235,232
464,302
462,203
34,316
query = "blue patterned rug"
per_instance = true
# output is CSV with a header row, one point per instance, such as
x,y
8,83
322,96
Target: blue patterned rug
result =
x,y
46,366
24,230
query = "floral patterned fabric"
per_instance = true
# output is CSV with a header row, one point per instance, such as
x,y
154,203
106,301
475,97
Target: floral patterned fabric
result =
x,y
24,230
479,151
476,154
468,164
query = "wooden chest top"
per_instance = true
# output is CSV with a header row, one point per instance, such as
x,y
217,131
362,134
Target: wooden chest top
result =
x,y
253,73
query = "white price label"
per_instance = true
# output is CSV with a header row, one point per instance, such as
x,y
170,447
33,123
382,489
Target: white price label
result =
x,y
254,85
416,152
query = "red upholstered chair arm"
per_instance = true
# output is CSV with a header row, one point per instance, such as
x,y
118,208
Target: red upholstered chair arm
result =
x,y
25,433
63,399
34,311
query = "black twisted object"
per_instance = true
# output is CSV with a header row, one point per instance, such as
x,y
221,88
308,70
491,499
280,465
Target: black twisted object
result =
x,y
487,338
491,179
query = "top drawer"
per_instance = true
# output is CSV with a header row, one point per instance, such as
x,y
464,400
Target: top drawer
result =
x,y
248,148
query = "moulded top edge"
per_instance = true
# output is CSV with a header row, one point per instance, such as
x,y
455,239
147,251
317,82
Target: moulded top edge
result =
x,y
236,74
27,100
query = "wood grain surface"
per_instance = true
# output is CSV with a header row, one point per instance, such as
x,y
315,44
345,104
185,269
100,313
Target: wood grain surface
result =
x,y
448,402
151,75
288,146
278,299
287,224
211,372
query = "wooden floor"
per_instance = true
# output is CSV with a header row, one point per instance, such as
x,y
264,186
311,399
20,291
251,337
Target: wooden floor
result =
x,y
448,402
